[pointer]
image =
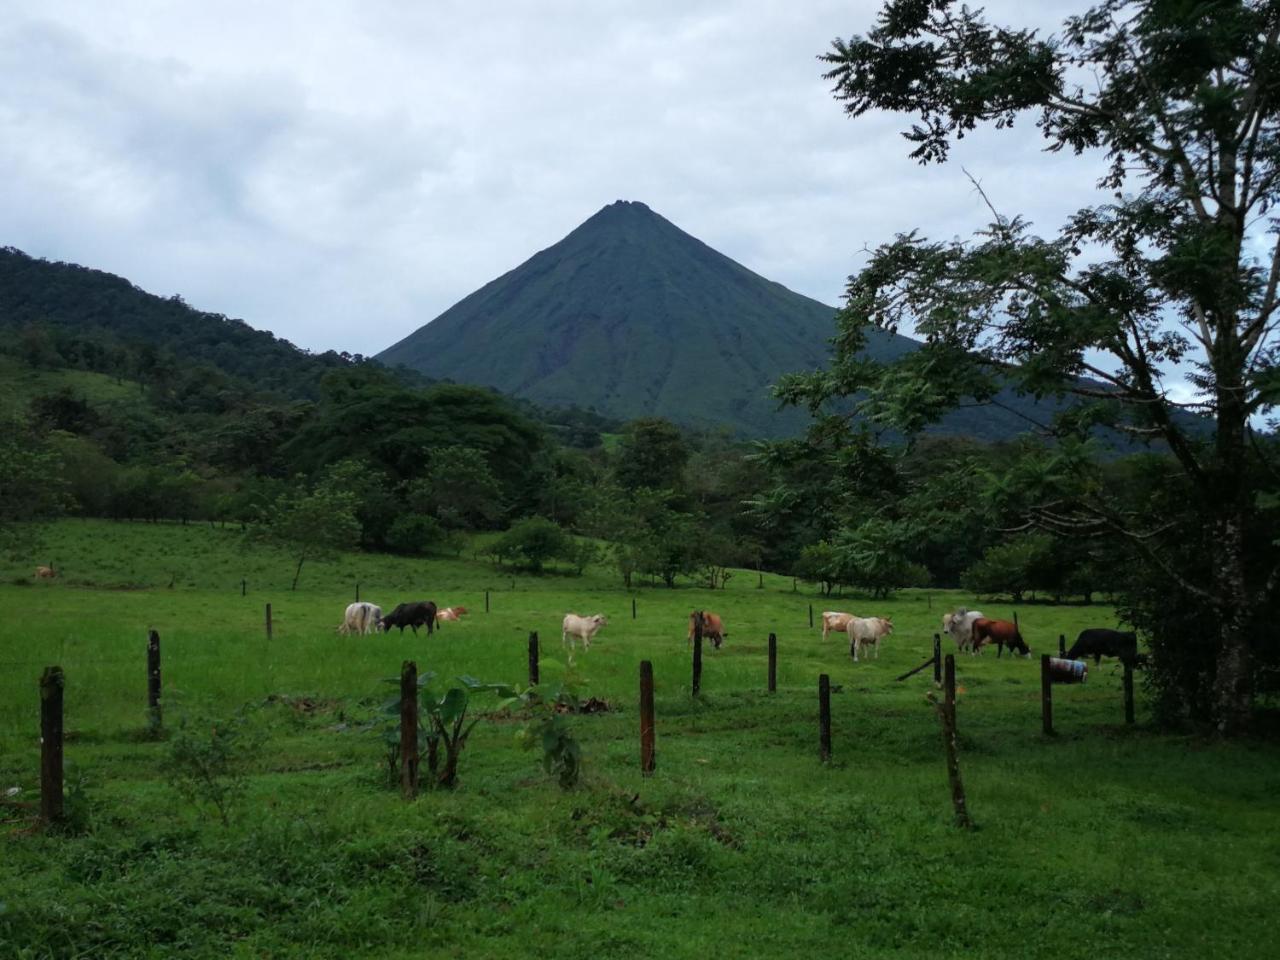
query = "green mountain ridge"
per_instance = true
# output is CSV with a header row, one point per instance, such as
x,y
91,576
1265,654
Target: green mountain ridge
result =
x,y
631,316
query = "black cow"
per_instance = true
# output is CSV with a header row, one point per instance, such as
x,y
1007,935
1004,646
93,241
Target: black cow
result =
x,y
1099,642
411,615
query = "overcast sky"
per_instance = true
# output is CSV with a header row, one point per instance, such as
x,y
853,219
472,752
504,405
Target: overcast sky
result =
x,y
342,172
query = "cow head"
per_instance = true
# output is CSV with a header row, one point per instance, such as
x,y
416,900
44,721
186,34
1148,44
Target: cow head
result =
x,y
888,625
1017,643
600,620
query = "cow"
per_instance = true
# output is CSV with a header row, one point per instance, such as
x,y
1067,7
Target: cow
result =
x,y
413,615
583,628
959,625
712,627
1001,632
1098,642
834,620
450,613
361,617
46,573
867,630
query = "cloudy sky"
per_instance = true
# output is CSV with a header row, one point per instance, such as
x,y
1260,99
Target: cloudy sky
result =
x,y
342,172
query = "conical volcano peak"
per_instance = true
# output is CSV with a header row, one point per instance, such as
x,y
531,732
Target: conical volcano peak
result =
x,y
634,316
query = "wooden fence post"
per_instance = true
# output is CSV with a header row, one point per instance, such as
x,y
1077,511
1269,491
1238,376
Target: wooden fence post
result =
x,y
824,717
1046,695
153,681
533,658
633,608
1128,692
1062,646
793,584
486,601
357,591
52,683
811,616
268,621
760,582
937,659
409,729
244,587
648,758
697,653
773,663
947,714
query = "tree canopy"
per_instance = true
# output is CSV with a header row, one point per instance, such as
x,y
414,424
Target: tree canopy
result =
x,y
1173,274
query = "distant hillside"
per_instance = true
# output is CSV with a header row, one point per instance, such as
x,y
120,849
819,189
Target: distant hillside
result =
x,y
634,317
64,298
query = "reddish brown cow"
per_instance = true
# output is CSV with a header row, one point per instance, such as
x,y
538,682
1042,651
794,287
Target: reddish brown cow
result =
x,y
712,627
1002,633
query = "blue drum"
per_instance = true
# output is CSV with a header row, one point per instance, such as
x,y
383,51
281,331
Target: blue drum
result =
x,y
1068,671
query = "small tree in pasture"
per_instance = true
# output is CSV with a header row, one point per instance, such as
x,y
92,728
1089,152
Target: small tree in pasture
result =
x,y
312,526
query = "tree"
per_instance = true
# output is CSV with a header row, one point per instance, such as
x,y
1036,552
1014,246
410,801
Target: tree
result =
x,y
313,526
1172,272
653,454
459,489
31,484
535,540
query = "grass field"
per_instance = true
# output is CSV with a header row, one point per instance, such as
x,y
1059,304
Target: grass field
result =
x,y
1102,842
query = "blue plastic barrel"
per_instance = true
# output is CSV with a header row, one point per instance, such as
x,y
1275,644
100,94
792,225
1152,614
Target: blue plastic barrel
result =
x,y
1068,671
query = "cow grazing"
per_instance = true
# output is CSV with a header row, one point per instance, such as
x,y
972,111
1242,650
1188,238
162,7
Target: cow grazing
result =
x,y
450,613
835,620
46,573
865,631
959,626
415,615
582,628
1000,632
1098,642
361,617
712,627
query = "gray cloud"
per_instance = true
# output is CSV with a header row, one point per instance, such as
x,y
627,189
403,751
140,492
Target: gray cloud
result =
x,y
340,173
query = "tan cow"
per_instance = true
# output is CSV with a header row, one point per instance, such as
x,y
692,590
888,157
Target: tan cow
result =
x,y
46,573
450,613
835,620
712,627
865,631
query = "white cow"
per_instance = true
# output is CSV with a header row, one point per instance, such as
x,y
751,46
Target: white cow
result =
x,y
583,628
960,626
867,630
834,620
361,617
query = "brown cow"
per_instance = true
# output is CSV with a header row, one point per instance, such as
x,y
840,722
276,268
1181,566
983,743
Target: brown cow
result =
x,y
712,627
450,613
46,573
1001,632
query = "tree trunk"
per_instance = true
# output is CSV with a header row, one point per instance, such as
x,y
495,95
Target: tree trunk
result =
x,y
1232,692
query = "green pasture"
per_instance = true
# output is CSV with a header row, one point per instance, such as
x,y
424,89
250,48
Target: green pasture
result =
x,y
1104,841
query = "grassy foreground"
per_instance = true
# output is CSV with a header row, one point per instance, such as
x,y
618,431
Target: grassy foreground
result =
x,y
1102,842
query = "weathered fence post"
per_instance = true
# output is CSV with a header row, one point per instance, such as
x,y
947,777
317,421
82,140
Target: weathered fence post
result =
x,y
1046,695
357,591
824,717
533,658
937,659
1128,692
773,663
244,587
409,729
793,584
633,608
760,582
697,653
486,601
153,681
811,616
268,621
52,682
648,760
1062,645
947,714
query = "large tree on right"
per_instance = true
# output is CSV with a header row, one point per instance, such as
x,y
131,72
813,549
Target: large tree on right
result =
x,y
1172,276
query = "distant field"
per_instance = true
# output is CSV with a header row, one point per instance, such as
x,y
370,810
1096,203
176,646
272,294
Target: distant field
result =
x,y
1104,842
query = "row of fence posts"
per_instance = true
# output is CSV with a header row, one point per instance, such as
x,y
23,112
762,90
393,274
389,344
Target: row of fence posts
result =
x,y
53,683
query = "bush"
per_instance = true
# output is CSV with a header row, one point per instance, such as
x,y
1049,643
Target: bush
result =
x,y
533,542
415,534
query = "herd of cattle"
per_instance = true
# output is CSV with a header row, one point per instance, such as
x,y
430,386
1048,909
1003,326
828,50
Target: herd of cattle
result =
x,y
969,628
